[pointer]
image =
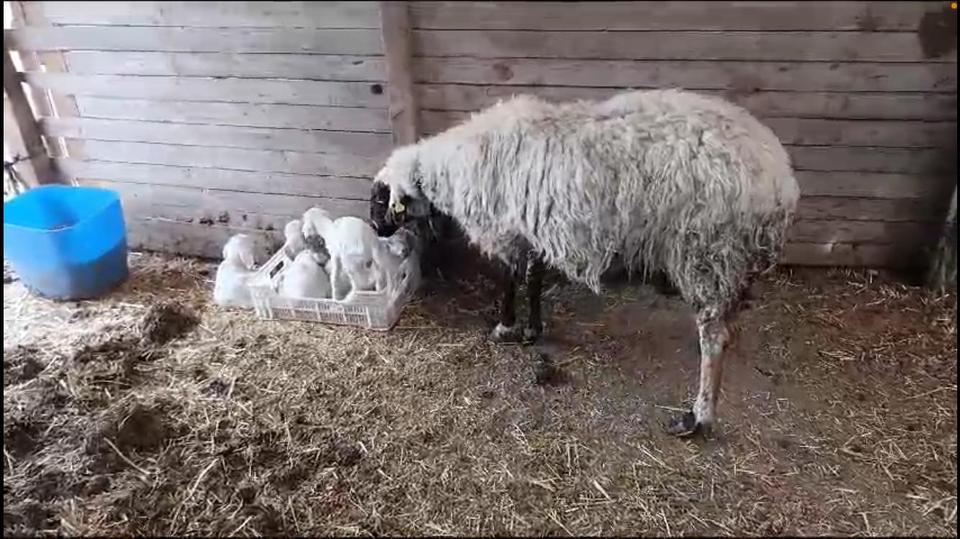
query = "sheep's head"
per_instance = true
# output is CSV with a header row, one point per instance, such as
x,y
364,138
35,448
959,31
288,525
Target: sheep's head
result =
x,y
401,175
240,249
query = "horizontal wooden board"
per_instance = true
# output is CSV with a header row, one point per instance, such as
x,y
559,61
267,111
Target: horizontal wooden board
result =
x,y
215,64
768,104
866,16
292,92
877,232
903,255
375,145
873,185
211,178
694,75
931,162
241,114
656,45
225,158
212,14
191,239
176,39
802,131
255,210
870,209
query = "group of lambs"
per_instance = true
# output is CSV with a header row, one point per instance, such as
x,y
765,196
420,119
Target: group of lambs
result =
x,y
325,258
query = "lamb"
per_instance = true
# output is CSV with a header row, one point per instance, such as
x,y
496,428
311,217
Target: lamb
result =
x,y
306,278
400,253
293,234
355,251
234,273
667,180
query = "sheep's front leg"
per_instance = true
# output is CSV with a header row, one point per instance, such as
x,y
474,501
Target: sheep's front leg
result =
x,y
534,292
507,329
714,336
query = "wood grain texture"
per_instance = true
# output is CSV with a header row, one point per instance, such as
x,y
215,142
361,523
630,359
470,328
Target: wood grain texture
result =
x,y
239,114
656,45
769,104
873,232
374,145
295,92
927,162
802,131
398,48
214,14
226,158
892,255
744,75
178,39
899,16
20,130
190,239
217,64
873,184
212,178
870,209
257,210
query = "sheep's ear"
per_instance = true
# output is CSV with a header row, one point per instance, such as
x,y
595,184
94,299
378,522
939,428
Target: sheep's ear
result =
x,y
246,256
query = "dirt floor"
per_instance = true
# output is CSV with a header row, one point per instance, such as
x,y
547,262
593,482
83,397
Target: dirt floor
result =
x,y
132,415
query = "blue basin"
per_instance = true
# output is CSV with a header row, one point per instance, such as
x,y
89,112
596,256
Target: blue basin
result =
x,y
66,242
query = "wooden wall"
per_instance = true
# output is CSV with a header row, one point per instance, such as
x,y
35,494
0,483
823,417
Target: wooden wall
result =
x,y
211,118
864,101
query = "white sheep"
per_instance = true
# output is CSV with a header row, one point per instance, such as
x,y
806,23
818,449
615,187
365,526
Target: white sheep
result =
x,y
401,250
234,273
305,278
670,181
355,251
293,235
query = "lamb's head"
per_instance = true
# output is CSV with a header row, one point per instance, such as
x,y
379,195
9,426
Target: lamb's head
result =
x,y
239,249
401,174
293,230
402,243
316,225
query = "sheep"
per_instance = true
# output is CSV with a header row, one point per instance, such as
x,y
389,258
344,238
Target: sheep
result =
x,y
230,287
401,251
293,235
668,180
305,277
355,251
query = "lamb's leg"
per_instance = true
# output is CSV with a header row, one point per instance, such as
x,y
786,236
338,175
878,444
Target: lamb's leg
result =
x,y
714,336
507,329
534,291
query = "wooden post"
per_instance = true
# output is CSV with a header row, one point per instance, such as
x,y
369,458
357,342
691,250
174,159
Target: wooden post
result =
x,y
395,32
943,265
20,129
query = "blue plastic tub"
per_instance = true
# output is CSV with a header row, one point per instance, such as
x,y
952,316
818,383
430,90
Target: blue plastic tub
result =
x,y
66,242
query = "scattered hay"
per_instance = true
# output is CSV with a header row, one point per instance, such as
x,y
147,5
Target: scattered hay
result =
x,y
135,416
166,321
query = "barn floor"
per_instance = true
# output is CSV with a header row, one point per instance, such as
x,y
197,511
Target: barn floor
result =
x,y
838,417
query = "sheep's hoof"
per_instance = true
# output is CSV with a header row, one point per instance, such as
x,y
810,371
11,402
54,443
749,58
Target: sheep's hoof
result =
x,y
687,426
531,335
505,334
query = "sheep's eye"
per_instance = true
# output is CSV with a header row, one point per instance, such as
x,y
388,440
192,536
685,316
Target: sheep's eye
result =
x,y
369,264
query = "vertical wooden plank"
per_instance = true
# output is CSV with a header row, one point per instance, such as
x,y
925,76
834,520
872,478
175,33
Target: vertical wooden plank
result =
x,y
20,129
398,51
63,106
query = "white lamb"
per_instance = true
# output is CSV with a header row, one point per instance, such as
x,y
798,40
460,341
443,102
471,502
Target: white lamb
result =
x,y
305,278
233,275
356,255
400,252
293,234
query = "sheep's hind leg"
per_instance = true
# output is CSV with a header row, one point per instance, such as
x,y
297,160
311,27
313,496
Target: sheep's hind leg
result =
x,y
507,329
534,292
714,336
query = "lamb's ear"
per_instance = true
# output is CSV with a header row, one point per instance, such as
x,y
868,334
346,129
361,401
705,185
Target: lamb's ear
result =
x,y
246,256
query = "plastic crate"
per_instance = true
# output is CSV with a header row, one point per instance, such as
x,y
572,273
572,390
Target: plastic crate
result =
x,y
66,242
370,310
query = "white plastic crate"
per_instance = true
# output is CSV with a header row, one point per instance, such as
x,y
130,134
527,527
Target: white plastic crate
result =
x,y
371,310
